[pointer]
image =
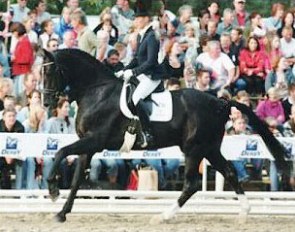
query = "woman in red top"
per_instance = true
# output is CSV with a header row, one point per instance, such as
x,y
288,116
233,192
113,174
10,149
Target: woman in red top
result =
x,y
252,66
22,58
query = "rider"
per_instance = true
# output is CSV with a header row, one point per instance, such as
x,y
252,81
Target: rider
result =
x,y
143,67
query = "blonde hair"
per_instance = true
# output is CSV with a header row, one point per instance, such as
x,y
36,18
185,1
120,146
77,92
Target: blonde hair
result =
x,y
36,114
6,81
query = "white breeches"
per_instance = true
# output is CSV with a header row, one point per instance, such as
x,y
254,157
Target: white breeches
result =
x,y
145,87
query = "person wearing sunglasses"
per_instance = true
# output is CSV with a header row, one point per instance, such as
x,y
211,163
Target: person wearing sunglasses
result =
x,y
241,16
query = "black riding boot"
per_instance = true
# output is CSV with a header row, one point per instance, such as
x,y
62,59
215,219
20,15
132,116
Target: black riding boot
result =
x,y
142,113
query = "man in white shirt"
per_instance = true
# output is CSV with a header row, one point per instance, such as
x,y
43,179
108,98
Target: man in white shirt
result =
x,y
223,69
288,45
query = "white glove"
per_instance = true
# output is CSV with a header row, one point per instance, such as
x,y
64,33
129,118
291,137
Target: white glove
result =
x,y
127,75
119,74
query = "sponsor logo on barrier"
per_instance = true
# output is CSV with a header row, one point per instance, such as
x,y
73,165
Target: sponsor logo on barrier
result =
x,y
288,146
51,147
251,149
11,147
151,154
114,154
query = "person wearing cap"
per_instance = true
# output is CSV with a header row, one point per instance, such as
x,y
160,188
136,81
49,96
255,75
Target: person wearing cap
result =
x,y
143,67
241,16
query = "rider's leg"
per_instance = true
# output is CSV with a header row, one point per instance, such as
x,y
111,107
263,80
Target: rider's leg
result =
x,y
145,88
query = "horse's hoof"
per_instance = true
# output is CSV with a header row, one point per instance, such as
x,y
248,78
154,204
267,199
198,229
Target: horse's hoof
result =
x,y
60,217
53,190
157,219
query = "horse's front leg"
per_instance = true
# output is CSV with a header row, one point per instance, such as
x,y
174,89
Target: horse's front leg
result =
x,y
86,145
77,179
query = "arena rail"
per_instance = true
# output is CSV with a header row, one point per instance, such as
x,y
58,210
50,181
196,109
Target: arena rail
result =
x,y
146,202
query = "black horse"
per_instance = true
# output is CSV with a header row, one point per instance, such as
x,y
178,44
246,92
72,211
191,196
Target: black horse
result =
x,y
197,126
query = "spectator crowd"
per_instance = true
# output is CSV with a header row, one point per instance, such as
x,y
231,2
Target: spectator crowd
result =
x,y
229,53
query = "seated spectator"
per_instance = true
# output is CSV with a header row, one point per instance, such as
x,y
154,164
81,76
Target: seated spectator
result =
x,y
107,25
35,123
9,124
280,78
243,97
48,33
213,9
6,88
42,14
223,69
52,45
30,84
273,172
34,98
173,84
274,22
271,107
238,128
9,101
64,23
288,21
69,40
227,24
288,45
252,67
103,38
185,14
241,16
203,18
289,126
212,30
289,100
256,27
112,61
203,80
33,36
61,123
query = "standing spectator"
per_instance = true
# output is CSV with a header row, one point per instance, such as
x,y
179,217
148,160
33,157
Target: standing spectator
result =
x,y
122,16
42,14
20,11
213,9
274,22
22,58
271,107
112,61
9,124
223,69
64,23
61,123
227,24
69,40
87,40
47,33
107,25
241,16
35,123
252,66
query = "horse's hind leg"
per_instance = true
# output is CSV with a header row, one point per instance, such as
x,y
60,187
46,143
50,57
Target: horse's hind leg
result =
x,y
227,170
190,187
77,178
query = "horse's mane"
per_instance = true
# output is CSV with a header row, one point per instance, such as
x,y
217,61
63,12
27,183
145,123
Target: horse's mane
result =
x,y
90,64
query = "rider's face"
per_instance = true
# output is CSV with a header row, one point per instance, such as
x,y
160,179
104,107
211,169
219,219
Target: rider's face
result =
x,y
141,22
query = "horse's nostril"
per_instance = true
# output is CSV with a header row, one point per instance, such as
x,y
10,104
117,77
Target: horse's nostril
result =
x,y
46,104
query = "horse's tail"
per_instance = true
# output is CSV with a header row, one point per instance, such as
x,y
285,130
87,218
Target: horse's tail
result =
x,y
275,147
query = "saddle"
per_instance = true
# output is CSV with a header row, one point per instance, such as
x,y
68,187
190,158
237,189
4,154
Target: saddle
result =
x,y
158,104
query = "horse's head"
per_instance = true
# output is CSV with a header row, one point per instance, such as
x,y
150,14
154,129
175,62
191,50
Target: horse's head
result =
x,y
53,81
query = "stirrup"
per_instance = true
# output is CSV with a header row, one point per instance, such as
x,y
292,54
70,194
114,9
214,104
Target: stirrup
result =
x,y
148,140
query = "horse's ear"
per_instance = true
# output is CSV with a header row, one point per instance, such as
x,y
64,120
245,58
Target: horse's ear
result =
x,y
44,53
